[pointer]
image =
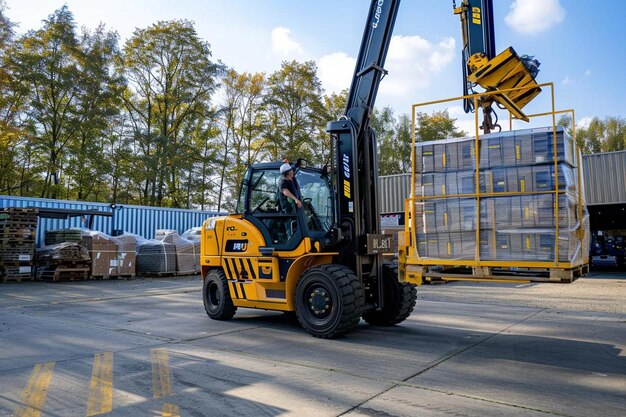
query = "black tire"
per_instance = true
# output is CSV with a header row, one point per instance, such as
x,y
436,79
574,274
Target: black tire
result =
x,y
329,301
216,297
399,299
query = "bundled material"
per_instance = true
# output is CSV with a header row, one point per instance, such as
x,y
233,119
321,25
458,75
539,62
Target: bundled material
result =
x,y
155,257
523,204
185,251
63,261
17,243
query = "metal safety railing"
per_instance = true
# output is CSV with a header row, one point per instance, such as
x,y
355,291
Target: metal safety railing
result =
x,y
413,256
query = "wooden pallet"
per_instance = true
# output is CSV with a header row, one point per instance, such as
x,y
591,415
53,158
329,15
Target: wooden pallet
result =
x,y
432,274
16,278
63,274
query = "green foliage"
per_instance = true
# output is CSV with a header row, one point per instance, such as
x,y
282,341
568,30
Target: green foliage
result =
x,y
294,106
606,135
437,126
170,80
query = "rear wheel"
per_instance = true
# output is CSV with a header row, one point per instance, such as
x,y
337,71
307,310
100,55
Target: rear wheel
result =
x,y
329,300
399,299
217,301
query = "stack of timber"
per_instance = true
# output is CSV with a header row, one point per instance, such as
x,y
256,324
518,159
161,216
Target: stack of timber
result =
x,y
186,251
63,261
52,237
155,257
17,243
521,210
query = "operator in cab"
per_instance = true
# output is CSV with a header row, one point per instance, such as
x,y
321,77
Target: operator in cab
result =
x,y
289,193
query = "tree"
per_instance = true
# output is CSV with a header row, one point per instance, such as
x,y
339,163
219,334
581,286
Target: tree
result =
x,y
437,126
98,106
383,124
12,99
244,120
606,135
171,79
294,105
334,106
47,61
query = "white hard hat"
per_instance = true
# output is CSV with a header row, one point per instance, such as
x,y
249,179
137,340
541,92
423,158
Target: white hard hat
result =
x,y
284,168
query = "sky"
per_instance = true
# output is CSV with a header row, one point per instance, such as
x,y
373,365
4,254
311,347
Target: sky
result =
x,y
578,42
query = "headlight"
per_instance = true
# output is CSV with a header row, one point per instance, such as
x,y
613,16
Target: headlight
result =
x,y
210,224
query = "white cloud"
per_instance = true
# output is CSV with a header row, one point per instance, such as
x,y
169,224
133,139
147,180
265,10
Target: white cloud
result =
x,y
335,71
584,122
412,60
567,80
282,43
534,16
587,73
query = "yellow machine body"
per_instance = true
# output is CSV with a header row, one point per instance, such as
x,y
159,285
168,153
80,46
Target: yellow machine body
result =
x,y
508,76
255,280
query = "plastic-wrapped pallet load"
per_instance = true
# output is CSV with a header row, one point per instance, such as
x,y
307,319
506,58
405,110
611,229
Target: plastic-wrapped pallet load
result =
x,y
126,255
102,251
194,235
155,257
185,251
507,211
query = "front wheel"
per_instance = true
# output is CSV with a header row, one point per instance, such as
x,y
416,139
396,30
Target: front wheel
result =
x,y
329,301
398,297
216,297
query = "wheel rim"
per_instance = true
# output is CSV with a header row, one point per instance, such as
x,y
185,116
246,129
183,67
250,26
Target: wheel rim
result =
x,y
213,296
318,300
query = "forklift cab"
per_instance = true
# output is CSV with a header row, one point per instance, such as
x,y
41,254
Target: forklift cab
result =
x,y
282,230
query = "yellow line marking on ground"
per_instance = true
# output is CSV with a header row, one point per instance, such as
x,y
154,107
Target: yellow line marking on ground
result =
x,y
170,410
101,386
161,375
36,391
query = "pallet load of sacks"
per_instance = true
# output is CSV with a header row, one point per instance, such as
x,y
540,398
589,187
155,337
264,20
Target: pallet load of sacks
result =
x,y
512,209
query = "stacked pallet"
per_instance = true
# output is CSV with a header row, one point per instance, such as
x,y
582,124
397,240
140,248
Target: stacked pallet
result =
x,y
17,243
186,253
63,261
507,210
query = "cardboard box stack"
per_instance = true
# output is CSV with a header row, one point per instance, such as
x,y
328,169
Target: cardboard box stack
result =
x,y
103,251
126,255
513,191
17,243
185,251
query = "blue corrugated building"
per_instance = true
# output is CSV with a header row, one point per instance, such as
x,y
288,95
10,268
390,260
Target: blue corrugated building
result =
x,y
140,220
